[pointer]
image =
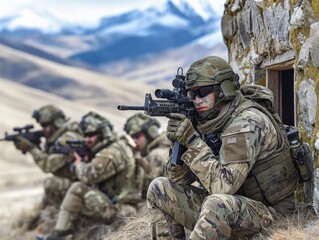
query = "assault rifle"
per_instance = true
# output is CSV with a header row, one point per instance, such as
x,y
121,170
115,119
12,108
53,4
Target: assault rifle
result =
x,y
34,137
78,146
71,146
176,102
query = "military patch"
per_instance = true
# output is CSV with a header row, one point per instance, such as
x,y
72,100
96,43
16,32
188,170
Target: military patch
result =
x,y
231,140
235,148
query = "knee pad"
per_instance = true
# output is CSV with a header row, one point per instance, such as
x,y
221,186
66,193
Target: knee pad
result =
x,y
49,184
98,205
77,188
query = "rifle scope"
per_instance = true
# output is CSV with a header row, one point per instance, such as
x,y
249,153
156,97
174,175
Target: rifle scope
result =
x,y
178,83
165,93
26,128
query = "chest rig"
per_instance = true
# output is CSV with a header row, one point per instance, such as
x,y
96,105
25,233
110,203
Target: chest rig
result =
x,y
273,178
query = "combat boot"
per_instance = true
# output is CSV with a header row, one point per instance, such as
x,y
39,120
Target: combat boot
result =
x,y
62,230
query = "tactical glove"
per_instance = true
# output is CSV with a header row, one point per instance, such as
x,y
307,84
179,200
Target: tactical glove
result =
x,y
23,144
180,128
180,174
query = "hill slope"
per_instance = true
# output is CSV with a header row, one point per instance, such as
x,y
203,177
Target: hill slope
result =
x,y
81,85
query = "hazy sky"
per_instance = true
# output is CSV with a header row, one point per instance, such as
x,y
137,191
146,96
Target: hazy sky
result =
x,y
88,11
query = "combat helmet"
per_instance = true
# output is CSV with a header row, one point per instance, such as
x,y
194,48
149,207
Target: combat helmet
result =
x,y
213,71
140,122
93,123
49,114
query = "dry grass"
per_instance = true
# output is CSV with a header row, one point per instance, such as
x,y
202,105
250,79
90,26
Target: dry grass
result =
x,y
310,231
301,225
132,228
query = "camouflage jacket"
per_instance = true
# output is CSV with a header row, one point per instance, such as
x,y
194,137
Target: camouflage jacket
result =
x,y
57,163
156,155
245,139
153,160
112,171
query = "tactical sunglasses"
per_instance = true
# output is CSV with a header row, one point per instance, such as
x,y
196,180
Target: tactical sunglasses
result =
x,y
44,125
90,134
200,92
137,135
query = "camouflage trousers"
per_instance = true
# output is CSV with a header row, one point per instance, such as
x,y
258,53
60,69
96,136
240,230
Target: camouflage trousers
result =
x,y
55,188
82,199
216,216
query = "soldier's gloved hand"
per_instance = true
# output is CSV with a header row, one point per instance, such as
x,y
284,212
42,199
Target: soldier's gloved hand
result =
x,y
23,144
179,128
180,174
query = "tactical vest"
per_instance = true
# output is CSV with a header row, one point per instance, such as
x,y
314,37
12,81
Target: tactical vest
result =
x,y
120,187
273,178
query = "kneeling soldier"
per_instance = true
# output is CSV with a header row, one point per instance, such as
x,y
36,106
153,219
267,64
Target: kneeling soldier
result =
x,y
105,187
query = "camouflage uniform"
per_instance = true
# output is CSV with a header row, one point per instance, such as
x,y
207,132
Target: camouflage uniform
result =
x,y
49,160
105,188
238,186
153,156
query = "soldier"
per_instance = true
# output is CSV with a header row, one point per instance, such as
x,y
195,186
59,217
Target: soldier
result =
x,y
57,130
105,188
151,146
250,179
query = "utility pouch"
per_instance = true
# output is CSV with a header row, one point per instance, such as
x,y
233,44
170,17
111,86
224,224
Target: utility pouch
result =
x,y
298,154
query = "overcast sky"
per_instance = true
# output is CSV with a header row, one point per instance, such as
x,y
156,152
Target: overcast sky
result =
x,y
83,11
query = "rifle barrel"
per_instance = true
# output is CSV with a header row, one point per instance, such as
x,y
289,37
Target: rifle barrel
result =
x,y
125,107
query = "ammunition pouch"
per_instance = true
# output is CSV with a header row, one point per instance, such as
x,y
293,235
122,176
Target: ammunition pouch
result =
x,y
298,154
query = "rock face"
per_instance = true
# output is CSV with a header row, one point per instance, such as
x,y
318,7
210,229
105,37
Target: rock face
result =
x,y
258,33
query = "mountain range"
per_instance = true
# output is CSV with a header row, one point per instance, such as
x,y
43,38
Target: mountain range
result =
x,y
135,45
57,67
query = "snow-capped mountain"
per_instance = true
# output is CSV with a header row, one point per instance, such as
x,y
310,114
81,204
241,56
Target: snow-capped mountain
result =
x,y
51,21
154,30
129,36
175,14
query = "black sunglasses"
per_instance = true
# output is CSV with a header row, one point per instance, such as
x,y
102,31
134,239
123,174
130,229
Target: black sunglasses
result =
x,y
137,135
200,92
44,125
90,134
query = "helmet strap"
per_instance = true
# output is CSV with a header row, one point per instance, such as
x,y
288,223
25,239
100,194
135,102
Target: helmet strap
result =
x,y
219,92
